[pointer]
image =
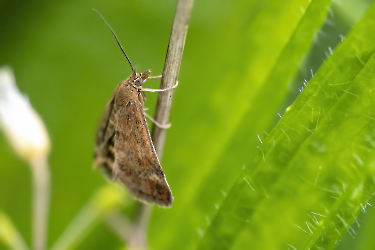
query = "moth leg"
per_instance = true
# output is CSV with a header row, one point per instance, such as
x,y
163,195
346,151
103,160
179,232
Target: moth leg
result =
x,y
144,109
152,77
115,171
160,90
166,126
155,76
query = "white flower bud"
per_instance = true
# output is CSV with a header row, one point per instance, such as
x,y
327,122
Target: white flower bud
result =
x,y
21,124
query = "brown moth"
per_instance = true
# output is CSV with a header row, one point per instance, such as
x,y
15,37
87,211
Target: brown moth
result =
x,y
124,148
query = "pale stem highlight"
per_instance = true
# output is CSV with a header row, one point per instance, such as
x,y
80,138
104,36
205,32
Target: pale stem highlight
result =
x,y
41,182
29,138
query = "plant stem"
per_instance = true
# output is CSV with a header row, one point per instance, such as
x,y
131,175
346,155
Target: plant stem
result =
x,y
169,79
170,71
104,201
133,234
41,183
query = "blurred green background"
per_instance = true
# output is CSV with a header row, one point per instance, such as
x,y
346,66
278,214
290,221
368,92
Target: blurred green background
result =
x,y
68,64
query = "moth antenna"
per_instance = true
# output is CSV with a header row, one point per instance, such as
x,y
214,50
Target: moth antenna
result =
x,y
114,34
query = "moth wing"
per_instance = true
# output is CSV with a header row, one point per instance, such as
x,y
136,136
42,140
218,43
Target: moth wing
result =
x,y
136,163
104,149
105,125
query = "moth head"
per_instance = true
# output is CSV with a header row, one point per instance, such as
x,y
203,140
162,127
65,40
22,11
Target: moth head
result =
x,y
145,74
139,79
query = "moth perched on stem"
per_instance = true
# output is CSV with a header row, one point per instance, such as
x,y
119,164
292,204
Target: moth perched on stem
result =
x,y
124,148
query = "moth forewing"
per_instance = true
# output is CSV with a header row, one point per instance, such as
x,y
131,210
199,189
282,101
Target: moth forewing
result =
x,y
125,147
104,154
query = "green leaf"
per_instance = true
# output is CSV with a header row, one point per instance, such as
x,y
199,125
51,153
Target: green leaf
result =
x,y
268,67
240,61
314,172
105,200
10,235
